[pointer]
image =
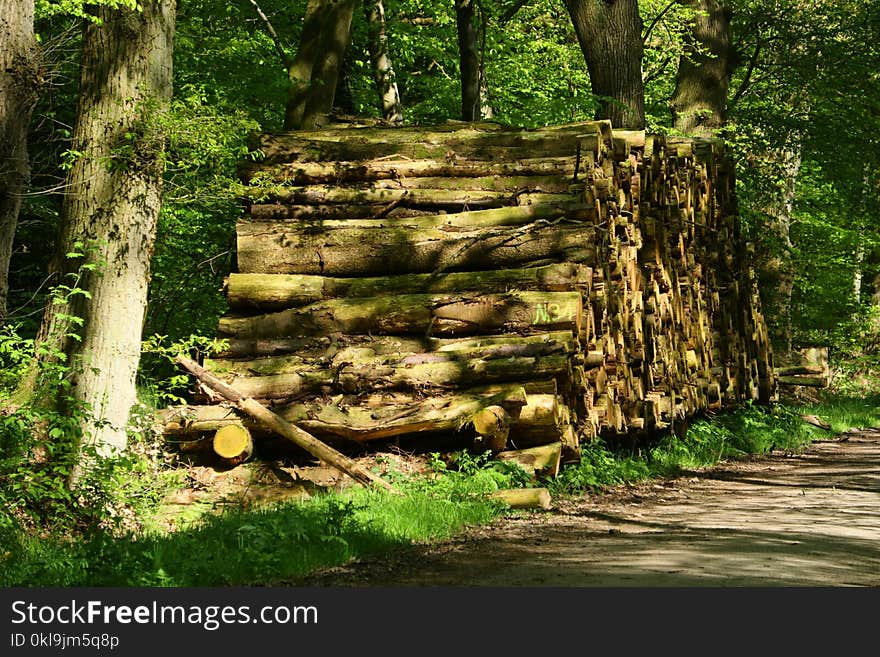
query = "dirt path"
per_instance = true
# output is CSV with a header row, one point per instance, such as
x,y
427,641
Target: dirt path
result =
x,y
805,519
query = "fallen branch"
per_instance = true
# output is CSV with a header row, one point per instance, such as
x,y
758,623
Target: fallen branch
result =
x,y
279,425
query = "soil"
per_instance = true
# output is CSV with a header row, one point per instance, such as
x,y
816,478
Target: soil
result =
x,y
810,518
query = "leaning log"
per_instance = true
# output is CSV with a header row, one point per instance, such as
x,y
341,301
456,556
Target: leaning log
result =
x,y
280,426
542,461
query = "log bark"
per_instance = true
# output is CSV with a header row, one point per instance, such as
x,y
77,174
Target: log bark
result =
x,y
387,249
523,498
375,417
541,461
281,291
279,425
369,375
450,143
422,314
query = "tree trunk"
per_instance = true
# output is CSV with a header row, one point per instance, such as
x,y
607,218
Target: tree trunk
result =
x,y
19,83
610,35
469,60
700,97
383,72
110,213
314,72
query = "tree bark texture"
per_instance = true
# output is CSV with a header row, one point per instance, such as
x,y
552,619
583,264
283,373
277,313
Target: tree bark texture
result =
x,y
610,36
469,59
111,210
383,71
313,74
699,100
19,85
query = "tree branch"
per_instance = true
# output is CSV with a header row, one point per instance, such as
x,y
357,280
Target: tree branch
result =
x,y
657,19
744,85
510,12
279,48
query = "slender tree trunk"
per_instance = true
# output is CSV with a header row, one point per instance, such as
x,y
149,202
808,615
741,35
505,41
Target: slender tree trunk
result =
x,y
862,222
699,100
314,72
19,83
110,212
383,71
610,35
782,267
469,59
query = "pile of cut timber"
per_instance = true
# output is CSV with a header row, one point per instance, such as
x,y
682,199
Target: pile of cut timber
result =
x,y
519,287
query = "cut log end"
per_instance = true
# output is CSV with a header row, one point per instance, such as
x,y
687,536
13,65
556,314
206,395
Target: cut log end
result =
x,y
523,498
233,444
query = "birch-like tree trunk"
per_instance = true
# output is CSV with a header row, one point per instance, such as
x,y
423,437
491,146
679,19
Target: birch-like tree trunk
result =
x,y
314,72
383,71
610,36
699,100
110,213
19,83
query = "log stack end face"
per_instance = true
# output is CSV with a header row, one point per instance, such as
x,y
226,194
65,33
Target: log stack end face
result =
x,y
427,273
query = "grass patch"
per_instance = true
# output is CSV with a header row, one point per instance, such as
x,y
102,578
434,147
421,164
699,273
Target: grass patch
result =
x,y
748,430
271,544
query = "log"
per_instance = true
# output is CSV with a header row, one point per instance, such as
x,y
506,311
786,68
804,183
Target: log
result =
x,y
523,498
233,444
283,428
379,197
382,250
422,314
549,169
371,375
810,381
421,143
375,417
492,425
325,347
800,369
541,461
281,291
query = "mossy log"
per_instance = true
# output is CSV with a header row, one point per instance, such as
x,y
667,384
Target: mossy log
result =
x,y
280,291
240,350
421,143
443,315
370,375
556,172
541,461
376,417
523,498
382,250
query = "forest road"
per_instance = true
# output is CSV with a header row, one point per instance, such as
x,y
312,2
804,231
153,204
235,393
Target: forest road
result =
x,y
810,518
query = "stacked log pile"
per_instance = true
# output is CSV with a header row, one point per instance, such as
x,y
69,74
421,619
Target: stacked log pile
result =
x,y
520,287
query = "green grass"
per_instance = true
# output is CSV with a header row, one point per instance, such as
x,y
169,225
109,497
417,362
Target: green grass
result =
x,y
265,546
712,439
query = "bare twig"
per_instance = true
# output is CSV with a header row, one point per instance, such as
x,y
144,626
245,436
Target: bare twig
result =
x,y
272,33
657,19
